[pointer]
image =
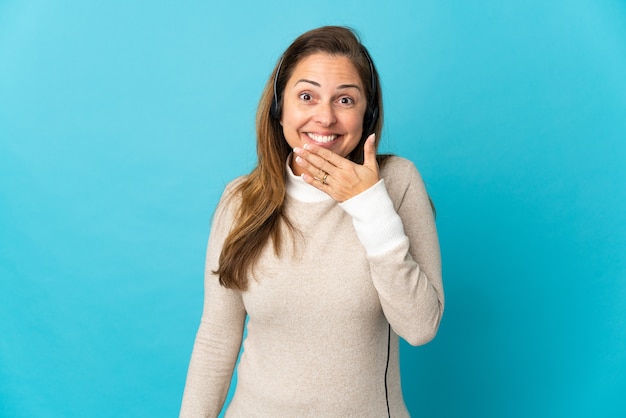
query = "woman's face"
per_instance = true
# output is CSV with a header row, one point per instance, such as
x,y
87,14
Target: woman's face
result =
x,y
324,104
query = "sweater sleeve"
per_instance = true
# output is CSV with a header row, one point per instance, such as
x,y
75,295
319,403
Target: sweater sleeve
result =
x,y
399,235
219,336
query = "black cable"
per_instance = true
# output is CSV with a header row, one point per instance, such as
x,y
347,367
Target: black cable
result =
x,y
387,367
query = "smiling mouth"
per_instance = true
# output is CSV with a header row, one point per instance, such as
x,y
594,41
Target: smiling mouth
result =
x,y
322,139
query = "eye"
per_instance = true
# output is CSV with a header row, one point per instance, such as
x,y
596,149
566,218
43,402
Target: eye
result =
x,y
345,100
306,97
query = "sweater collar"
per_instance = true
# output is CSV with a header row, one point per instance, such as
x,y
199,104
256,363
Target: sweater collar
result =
x,y
300,189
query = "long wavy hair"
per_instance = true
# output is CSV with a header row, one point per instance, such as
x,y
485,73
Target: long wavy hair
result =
x,y
262,193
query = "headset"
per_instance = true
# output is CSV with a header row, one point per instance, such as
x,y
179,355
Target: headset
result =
x,y
371,113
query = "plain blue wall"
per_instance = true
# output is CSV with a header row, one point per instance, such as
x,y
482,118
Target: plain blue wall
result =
x,y
121,121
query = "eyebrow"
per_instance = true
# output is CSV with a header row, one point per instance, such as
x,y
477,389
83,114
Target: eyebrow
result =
x,y
316,84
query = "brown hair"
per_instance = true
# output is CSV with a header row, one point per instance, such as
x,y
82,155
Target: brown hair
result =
x,y
262,193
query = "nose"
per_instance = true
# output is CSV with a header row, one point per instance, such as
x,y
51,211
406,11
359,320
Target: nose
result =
x,y
325,115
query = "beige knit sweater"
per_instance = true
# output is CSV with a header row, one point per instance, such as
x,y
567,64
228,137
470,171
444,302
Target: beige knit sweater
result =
x,y
319,313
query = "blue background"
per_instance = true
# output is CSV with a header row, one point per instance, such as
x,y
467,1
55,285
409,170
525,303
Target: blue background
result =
x,y
121,122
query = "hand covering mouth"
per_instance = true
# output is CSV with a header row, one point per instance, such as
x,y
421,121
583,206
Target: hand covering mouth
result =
x,y
322,139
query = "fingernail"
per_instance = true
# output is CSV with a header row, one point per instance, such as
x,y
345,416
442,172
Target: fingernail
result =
x,y
299,160
307,146
297,150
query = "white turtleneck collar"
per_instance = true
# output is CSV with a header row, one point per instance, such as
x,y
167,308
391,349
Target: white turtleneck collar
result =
x,y
300,189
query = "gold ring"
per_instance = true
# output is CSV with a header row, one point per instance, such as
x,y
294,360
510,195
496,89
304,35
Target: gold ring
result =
x,y
324,178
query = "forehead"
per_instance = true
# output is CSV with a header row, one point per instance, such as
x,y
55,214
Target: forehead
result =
x,y
325,67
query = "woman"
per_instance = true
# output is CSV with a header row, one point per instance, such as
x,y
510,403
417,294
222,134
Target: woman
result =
x,y
330,252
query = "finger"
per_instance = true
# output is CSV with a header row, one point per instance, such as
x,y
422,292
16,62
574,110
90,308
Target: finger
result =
x,y
369,153
313,170
324,156
314,164
319,183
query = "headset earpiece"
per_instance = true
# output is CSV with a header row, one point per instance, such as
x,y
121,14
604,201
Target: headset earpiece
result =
x,y
369,121
275,109
371,113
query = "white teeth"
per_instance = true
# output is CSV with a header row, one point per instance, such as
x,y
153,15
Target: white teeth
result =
x,y
321,138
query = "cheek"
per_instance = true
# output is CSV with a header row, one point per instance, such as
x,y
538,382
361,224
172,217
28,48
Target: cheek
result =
x,y
358,118
291,117
356,123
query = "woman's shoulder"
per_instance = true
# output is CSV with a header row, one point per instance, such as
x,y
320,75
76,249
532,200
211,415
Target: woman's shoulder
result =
x,y
398,171
233,185
231,196
402,177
